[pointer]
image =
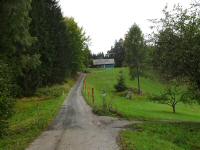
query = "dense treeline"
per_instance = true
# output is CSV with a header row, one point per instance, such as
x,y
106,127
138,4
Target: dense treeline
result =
x,y
118,53
38,47
100,55
14,57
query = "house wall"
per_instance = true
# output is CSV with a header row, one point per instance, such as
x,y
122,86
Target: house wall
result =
x,y
110,66
105,66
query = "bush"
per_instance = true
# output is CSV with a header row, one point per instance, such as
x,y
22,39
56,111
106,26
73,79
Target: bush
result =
x,y
51,91
86,70
6,97
120,86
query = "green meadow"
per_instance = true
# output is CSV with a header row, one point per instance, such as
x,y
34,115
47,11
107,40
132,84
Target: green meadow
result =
x,y
139,107
158,119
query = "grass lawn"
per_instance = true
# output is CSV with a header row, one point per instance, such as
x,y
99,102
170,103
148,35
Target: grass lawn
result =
x,y
161,130
139,107
33,115
165,136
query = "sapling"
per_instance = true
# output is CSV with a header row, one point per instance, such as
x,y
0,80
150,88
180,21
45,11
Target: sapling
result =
x,y
172,95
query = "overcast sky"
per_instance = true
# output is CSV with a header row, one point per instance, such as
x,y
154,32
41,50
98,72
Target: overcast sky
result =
x,y
107,20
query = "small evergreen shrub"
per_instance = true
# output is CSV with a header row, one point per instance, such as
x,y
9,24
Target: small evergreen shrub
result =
x,y
120,86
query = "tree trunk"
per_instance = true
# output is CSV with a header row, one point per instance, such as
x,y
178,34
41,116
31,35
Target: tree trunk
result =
x,y
174,108
138,77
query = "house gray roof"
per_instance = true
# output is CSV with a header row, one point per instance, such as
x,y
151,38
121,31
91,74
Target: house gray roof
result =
x,y
103,61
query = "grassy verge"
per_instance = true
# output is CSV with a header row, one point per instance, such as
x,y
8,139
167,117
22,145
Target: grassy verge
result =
x,y
33,115
165,136
139,107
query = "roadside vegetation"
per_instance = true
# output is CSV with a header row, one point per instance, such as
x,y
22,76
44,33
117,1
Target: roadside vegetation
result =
x,y
33,115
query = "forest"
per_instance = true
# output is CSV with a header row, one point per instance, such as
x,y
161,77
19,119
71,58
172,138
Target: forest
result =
x,y
38,47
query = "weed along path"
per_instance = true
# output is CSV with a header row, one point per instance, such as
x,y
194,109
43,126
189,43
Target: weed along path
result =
x,y
77,128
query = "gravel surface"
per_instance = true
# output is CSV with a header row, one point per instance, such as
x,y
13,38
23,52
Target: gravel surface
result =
x,y
77,128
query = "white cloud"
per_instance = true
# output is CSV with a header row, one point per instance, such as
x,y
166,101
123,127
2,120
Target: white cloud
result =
x,y
107,20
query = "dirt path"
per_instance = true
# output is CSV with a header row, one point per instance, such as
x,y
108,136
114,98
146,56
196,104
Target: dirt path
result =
x,y
77,128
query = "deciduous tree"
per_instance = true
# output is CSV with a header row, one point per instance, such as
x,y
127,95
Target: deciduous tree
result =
x,y
178,45
135,54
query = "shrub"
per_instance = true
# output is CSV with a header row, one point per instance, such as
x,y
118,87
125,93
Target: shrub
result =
x,y
120,86
6,97
51,91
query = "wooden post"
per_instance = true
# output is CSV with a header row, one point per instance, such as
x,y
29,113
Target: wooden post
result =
x,y
93,95
85,85
88,93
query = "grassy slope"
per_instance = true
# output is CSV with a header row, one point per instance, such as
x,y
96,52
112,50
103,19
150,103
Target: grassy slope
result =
x,y
165,136
149,135
140,107
32,116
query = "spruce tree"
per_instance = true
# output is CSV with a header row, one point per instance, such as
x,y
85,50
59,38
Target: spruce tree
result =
x,y
49,28
120,86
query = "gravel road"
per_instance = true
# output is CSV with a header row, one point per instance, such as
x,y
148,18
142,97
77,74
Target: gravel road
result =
x,y
77,128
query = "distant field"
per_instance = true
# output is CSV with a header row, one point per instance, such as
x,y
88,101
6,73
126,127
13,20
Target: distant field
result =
x,y
139,107
33,115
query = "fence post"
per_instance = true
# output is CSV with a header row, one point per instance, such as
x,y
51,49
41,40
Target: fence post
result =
x,y
93,95
88,92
